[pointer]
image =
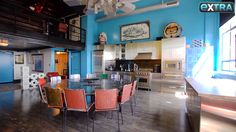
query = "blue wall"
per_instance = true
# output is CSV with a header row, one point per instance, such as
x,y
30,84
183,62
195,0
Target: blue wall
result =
x,y
195,24
6,67
88,23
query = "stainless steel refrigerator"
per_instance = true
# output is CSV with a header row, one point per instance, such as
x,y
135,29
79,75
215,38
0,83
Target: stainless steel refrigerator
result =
x,y
98,61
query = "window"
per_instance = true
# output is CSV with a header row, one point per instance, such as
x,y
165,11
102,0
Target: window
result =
x,y
228,50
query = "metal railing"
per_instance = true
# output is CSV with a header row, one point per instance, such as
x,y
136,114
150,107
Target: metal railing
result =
x,y
16,18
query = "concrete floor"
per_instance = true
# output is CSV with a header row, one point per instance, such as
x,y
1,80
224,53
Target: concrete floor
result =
x,y
155,112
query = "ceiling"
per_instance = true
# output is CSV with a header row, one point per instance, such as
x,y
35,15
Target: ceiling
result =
x,y
22,44
140,4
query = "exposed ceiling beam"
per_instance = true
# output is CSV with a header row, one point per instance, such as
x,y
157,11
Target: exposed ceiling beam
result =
x,y
142,10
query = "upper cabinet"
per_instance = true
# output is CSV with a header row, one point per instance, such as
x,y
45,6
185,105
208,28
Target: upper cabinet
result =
x,y
153,47
174,48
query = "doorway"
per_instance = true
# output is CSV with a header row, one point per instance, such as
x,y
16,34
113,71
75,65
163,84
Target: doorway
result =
x,y
61,63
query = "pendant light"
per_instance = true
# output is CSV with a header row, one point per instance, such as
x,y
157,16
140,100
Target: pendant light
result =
x,y
3,42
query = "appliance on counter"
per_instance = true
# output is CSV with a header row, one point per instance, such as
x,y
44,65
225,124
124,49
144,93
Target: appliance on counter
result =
x,y
135,67
157,68
143,76
124,65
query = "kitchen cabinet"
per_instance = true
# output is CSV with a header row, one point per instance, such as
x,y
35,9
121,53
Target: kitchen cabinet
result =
x,y
131,51
173,48
154,47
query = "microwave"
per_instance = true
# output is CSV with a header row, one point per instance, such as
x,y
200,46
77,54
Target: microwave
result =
x,y
172,66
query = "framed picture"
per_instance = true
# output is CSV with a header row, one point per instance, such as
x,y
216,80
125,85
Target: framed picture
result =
x,y
19,59
135,31
37,62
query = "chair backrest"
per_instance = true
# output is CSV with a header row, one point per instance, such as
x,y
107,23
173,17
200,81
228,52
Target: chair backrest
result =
x,y
54,98
91,75
106,99
75,76
115,77
75,100
103,76
55,78
126,91
52,74
134,87
41,84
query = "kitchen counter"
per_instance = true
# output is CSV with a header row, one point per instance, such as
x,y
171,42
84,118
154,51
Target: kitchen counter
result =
x,y
211,104
214,87
122,71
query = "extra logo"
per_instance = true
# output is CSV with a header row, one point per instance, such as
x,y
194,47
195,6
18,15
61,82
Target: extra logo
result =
x,y
222,7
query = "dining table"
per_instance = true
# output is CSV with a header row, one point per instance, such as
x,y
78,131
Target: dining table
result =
x,y
88,86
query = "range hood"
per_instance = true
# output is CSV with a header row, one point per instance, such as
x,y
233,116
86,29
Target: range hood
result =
x,y
142,56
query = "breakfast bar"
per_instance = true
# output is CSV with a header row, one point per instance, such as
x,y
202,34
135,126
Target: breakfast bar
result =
x,y
211,104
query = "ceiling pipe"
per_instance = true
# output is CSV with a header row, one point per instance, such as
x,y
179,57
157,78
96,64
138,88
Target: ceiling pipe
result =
x,y
142,10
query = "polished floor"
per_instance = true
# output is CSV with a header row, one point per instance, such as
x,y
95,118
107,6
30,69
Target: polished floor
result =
x,y
20,111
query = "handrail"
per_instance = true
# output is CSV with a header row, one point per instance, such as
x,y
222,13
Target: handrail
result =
x,y
20,18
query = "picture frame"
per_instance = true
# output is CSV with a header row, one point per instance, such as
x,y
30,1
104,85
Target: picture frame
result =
x,y
135,31
19,59
38,64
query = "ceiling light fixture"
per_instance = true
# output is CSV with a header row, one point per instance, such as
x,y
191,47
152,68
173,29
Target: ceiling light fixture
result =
x,y
3,42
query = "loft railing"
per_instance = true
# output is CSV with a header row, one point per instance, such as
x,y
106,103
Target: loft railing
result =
x,y
24,21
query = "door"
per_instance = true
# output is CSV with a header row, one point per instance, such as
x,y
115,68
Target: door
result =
x,y
75,63
61,63
6,67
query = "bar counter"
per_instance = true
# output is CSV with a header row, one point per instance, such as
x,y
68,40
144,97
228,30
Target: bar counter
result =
x,y
211,104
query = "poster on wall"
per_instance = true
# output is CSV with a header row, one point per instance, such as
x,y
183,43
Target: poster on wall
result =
x,y
37,62
19,59
135,31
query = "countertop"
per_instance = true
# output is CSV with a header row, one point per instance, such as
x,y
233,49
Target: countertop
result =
x,y
122,71
214,87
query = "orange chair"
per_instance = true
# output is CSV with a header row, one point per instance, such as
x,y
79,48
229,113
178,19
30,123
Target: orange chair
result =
x,y
75,100
125,96
106,100
132,94
55,100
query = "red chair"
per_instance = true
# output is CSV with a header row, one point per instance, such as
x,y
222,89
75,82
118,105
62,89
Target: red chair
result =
x,y
54,74
75,100
42,93
132,94
106,100
125,96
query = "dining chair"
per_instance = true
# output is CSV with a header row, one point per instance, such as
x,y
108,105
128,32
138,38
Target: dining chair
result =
x,y
75,100
133,95
42,92
55,100
91,75
125,97
103,76
56,78
75,76
106,100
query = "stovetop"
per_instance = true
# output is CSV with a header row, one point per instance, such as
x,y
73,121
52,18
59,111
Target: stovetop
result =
x,y
143,72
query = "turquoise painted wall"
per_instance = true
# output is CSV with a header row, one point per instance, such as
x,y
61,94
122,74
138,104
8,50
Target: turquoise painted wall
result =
x,y
195,24
6,67
88,23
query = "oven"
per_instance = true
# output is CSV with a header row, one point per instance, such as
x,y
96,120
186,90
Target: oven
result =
x,y
172,66
143,77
